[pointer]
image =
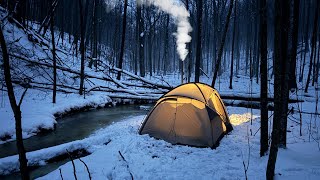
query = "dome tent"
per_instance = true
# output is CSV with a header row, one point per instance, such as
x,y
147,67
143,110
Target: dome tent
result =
x,y
191,114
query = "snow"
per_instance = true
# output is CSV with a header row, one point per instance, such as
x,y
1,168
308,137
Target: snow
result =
x,y
38,110
156,159
149,158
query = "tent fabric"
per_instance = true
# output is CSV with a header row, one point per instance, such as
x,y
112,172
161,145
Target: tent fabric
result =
x,y
191,114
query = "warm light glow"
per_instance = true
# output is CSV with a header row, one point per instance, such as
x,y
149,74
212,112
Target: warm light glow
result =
x,y
237,119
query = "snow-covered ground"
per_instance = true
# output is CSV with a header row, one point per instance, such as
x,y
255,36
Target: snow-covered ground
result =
x,y
148,158
38,111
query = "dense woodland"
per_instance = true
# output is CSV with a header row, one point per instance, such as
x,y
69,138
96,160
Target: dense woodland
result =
x,y
104,25
268,41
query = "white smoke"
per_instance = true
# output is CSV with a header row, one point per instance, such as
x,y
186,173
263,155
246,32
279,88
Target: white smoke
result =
x,y
181,17
175,10
109,5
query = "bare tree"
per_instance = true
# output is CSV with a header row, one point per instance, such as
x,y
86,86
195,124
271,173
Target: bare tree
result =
x,y
223,39
54,61
166,46
264,78
233,38
124,24
199,41
314,44
16,109
280,81
294,43
140,38
306,39
82,50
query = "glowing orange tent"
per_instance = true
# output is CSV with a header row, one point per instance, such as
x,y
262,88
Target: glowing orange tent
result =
x,y
191,114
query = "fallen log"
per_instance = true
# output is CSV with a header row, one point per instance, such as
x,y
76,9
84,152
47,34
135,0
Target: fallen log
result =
x,y
146,81
247,104
68,70
255,98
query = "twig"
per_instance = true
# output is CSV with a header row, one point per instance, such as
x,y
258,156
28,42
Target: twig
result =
x,y
106,143
22,96
126,164
86,168
204,73
74,168
246,167
61,174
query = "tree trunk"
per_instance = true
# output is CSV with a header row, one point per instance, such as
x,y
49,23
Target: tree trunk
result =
x,y
95,35
189,57
82,50
166,46
199,41
314,41
264,78
306,39
141,40
54,61
280,101
124,24
293,53
318,61
233,38
16,110
218,62
137,45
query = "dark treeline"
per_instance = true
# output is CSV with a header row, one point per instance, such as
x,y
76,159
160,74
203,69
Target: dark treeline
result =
x,y
104,25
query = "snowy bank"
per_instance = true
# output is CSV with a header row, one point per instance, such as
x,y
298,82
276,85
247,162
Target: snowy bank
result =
x,y
38,111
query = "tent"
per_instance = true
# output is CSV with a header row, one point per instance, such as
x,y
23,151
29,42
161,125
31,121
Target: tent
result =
x,y
191,114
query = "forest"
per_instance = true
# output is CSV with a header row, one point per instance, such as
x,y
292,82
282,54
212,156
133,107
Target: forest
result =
x,y
125,89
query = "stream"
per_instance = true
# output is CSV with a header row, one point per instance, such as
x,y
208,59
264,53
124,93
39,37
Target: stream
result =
x,y
70,128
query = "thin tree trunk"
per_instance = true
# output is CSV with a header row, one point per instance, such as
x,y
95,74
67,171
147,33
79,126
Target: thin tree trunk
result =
x,y
124,24
82,29
137,40
141,39
318,61
199,41
315,63
233,38
166,46
54,61
306,39
293,53
218,62
16,110
189,57
314,41
264,78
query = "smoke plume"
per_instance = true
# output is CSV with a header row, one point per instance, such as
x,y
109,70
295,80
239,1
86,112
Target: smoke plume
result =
x,y
181,17
175,10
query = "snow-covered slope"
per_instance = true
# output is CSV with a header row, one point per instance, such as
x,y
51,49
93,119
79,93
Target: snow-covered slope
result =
x,y
31,64
37,109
